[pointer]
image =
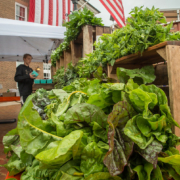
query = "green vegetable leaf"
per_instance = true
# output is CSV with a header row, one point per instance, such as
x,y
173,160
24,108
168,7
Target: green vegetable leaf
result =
x,y
63,152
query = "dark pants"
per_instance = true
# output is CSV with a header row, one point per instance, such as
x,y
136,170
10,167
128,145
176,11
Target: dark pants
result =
x,y
23,98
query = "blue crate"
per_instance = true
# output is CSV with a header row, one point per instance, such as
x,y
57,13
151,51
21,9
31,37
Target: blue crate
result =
x,y
35,74
43,81
37,81
49,81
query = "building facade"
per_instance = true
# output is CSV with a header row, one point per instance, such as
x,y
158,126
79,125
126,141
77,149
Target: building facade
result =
x,y
172,15
19,10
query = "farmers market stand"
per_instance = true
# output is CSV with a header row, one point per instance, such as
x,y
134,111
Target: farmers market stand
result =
x,y
166,51
81,46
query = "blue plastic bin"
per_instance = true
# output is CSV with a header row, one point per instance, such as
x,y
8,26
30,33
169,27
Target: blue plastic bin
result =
x,y
35,74
43,81
37,81
49,81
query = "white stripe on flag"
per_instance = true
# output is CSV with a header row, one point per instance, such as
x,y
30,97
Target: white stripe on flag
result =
x,y
60,12
119,4
37,18
72,7
46,11
66,10
117,9
54,12
112,10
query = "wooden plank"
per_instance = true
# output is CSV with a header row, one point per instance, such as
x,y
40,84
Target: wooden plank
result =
x,y
162,53
53,70
107,30
61,61
161,75
87,40
109,70
57,65
76,52
44,86
147,52
99,30
67,58
173,63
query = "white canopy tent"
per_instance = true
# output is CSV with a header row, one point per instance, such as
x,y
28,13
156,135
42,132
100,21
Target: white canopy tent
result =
x,y
19,37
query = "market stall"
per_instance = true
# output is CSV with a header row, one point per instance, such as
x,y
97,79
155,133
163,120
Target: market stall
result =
x,y
19,37
90,128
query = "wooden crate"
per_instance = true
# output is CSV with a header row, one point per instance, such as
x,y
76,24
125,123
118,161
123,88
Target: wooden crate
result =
x,y
82,45
167,74
9,94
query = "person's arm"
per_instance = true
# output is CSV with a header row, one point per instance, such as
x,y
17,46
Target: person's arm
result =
x,y
19,77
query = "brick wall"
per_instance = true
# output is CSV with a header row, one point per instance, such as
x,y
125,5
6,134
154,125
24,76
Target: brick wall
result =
x,y
7,8
7,72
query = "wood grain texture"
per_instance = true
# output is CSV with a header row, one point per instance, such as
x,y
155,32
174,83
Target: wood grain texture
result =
x,y
57,65
162,53
76,52
87,40
61,62
67,58
44,86
173,64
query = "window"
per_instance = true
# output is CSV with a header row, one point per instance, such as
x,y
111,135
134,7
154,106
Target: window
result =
x,y
47,70
19,63
21,12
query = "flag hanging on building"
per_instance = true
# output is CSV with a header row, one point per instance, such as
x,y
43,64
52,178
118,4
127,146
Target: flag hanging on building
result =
x,y
116,9
50,12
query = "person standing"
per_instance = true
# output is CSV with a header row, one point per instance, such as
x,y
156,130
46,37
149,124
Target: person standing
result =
x,y
24,78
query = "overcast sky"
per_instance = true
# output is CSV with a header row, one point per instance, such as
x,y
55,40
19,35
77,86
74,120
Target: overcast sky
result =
x,y
129,4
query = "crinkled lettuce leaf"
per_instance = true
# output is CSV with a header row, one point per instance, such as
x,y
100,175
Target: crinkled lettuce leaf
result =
x,y
121,146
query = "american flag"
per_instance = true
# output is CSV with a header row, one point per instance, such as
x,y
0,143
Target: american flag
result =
x,y
116,9
50,12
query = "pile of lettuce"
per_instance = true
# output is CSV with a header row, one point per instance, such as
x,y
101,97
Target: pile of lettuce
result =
x,y
91,130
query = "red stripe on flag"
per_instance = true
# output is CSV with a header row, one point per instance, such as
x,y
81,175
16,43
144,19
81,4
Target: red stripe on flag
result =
x,y
32,11
42,11
102,1
64,10
69,8
115,9
50,20
57,12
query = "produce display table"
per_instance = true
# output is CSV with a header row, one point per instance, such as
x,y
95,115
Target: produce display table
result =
x,y
164,52
7,99
81,46
44,86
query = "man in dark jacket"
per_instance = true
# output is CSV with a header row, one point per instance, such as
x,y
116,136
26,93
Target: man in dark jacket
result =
x,y
24,78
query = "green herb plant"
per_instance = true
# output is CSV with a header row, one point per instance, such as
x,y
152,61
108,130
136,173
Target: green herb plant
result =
x,y
78,19
143,30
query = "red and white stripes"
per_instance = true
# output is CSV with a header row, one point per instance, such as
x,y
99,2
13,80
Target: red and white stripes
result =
x,y
51,12
115,8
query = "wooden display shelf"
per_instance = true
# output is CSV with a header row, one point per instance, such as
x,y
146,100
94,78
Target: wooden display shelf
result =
x,y
81,46
166,73
152,55
44,86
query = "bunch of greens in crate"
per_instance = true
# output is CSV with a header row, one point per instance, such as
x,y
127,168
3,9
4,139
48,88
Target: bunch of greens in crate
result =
x,y
143,30
78,19
64,77
95,131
